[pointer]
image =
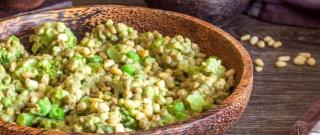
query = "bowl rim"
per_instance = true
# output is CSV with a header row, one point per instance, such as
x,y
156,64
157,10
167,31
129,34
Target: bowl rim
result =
x,y
244,86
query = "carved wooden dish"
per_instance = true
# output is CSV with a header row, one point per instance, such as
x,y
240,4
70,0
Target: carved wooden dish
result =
x,y
211,40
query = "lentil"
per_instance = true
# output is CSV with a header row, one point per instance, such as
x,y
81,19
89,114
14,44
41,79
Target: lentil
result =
x,y
281,64
245,37
305,54
258,68
259,62
261,44
277,44
271,43
311,61
299,60
254,40
267,39
284,58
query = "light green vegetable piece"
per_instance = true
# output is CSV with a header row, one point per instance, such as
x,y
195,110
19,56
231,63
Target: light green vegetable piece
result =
x,y
56,113
178,110
130,69
213,65
196,102
44,106
134,56
25,119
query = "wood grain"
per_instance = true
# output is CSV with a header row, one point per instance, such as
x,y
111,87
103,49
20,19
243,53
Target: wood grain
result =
x,y
279,96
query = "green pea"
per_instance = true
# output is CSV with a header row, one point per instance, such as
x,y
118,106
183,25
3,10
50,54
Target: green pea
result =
x,y
25,119
56,113
95,59
128,69
134,56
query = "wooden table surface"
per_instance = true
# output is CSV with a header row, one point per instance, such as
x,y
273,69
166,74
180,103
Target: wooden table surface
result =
x,y
279,96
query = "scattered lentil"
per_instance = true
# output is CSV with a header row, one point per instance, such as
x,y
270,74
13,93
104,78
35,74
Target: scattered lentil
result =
x,y
259,69
299,60
305,54
245,37
254,40
261,44
281,64
284,58
277,44
267,39
271,43
259,62
311,61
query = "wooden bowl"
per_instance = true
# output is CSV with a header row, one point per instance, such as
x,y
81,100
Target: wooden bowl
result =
x,y
20,5
218,12
211,40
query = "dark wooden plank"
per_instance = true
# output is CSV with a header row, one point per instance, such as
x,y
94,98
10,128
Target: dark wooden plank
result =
x,y
280,96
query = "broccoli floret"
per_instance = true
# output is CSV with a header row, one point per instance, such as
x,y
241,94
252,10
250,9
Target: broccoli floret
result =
x,y
50,35
196,102
57,94
10,50
52,123
38,67
49,67
213,65
127,120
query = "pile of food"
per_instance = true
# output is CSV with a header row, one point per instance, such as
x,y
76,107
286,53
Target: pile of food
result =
x,y
113,80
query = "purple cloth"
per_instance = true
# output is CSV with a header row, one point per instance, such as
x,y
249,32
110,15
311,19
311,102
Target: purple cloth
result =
x,y
307,121
305,13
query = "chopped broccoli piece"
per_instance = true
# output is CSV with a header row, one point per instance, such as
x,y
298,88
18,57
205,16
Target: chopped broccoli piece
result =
x,y
51,123
181,116
106,128
127,120
49,67
167,119
6,101
38,67
57,94
8,55
44,106
127,68
177,109
51,34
